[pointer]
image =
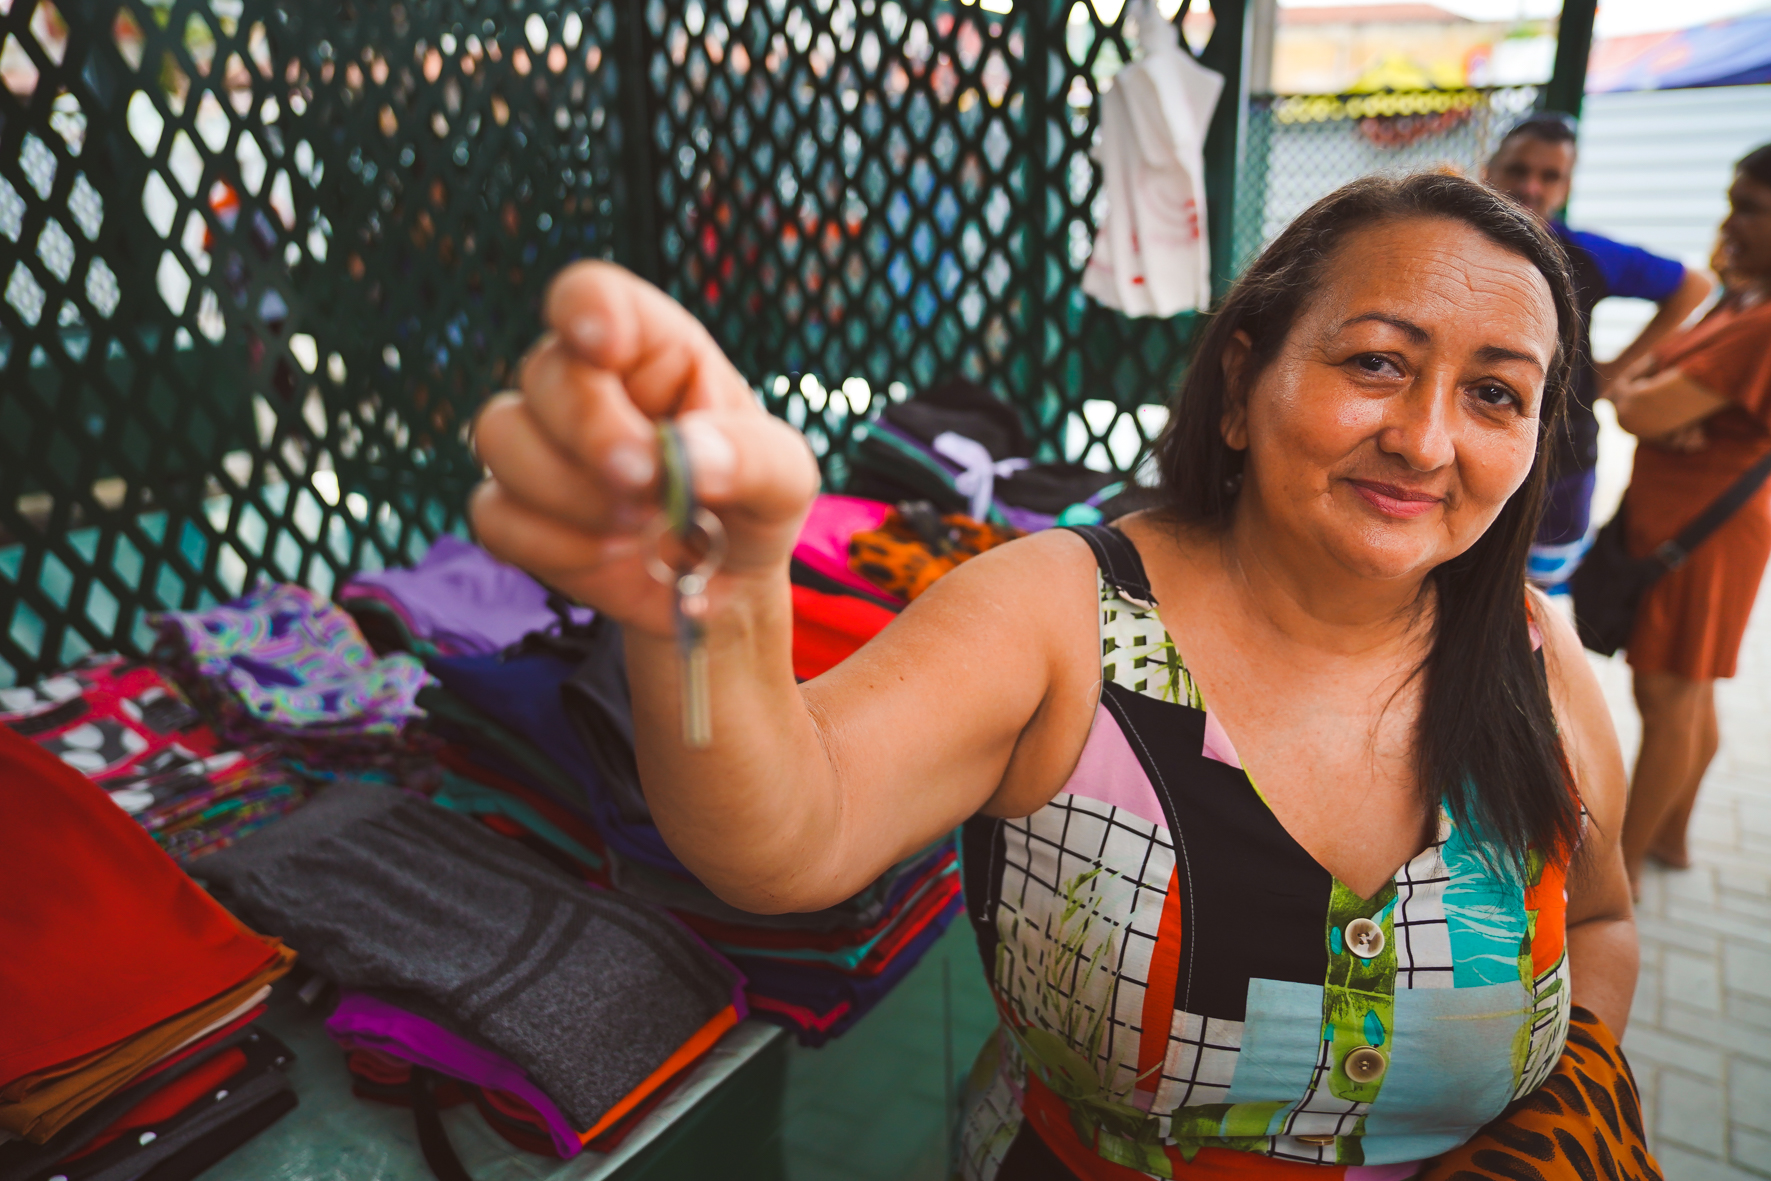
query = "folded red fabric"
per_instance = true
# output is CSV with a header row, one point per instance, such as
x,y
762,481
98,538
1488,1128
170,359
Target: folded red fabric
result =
x,y
171,1099
827,629
117,937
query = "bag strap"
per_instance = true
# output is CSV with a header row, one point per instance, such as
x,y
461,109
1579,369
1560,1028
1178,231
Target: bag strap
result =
x,y
1118,559
433,1139
1672,554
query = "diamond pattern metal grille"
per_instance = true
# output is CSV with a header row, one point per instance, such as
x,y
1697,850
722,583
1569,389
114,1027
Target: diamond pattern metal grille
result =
x,y
261,261
263,258
861,197
266,256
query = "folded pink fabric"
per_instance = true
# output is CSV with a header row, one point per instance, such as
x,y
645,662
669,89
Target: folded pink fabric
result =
x,y
824,541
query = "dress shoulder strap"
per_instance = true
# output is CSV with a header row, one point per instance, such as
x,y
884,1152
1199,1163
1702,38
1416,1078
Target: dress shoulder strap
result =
x,y
1121,567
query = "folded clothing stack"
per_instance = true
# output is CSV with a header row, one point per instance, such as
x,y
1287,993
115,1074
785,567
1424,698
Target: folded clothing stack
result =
x,y
962,448
128,1047
129,730
467,955
835,609
283,666
457,601
109,718
541,743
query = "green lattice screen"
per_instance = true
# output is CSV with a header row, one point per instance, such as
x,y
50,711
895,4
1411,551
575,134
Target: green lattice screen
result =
x,y
261,260
264,258
863,196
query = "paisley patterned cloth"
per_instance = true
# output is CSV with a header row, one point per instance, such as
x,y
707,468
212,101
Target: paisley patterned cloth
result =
x,y
1185,990
295,664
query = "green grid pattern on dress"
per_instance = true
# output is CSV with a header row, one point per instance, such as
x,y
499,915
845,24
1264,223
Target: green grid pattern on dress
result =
x,y
266,258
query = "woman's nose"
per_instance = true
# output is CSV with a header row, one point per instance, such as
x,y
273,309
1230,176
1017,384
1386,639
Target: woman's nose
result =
x,y
1418,424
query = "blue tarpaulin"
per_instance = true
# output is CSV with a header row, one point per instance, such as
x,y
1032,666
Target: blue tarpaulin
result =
x,y
1726,53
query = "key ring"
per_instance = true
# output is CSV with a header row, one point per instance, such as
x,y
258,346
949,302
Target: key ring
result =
x,y
697,529
704,527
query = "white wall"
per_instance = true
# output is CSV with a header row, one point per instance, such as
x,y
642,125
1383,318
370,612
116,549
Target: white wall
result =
x,y
1653,171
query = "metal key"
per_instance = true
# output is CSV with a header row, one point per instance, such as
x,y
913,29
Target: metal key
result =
x,y
699,542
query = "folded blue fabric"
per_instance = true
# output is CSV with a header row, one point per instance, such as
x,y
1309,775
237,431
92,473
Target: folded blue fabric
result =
x,y
521,691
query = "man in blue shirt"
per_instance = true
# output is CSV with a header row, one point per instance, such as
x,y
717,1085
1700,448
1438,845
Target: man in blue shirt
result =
x,y
1534,165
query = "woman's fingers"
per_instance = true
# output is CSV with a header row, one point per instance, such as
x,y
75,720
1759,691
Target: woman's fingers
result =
x,y
616,321
588,415
528,465
555,552
749,463
574,458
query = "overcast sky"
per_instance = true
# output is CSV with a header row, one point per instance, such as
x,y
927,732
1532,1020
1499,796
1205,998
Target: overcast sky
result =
x,y
1617,18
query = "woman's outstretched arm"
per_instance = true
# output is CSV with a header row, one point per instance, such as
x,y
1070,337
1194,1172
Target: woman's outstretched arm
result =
x,y
979,695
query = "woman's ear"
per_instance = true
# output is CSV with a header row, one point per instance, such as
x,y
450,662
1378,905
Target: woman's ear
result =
x,y
1233,425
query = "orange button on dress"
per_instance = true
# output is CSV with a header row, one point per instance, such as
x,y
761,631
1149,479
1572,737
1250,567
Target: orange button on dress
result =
x,y
1691,622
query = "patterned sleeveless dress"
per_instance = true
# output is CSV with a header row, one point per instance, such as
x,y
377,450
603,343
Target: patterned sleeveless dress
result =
x,y
1186,992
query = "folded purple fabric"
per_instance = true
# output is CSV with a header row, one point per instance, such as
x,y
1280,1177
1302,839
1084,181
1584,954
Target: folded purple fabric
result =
x,y
363,1023
462,599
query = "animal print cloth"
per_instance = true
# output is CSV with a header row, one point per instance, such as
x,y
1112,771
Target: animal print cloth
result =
x,y
906,554
1184,989
1583,1124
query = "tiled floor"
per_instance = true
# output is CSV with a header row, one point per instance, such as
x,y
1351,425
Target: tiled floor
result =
x,y
1700,1033
868,1106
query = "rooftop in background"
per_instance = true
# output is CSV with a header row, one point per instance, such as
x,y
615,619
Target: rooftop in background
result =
x,y
1734,52
1369,14
1616,18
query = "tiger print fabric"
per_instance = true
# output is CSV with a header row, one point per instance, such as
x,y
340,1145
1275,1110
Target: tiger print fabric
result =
x,y
1583,1124
900,560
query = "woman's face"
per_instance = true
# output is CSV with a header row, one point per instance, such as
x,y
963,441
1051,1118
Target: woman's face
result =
x,y
1746,233
1402,409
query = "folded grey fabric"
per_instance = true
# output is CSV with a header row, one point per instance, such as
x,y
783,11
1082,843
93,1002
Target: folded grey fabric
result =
x,y
587,990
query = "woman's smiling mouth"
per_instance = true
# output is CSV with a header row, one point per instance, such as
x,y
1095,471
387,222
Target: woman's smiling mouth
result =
x,y
1394,501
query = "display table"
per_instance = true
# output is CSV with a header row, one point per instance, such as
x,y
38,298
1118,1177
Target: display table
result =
x,y
723,1120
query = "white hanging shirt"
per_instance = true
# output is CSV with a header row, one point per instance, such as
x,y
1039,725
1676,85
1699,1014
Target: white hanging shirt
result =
x,y
1150,256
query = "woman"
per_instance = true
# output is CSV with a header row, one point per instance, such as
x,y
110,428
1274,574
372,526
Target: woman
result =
x,y
1352,967
1702,408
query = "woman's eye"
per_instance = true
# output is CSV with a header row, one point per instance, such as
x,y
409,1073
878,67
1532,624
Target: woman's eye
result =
x,y
1496,395
1374,363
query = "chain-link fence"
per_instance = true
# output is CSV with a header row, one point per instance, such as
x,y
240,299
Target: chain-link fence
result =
x,y
1300,148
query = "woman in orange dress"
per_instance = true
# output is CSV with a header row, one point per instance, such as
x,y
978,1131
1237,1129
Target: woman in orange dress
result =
x,y
1702,409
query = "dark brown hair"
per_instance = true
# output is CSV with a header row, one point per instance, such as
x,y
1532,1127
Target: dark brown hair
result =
x,y
1486,740
1756,164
